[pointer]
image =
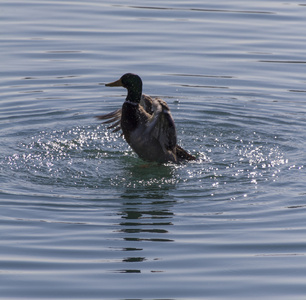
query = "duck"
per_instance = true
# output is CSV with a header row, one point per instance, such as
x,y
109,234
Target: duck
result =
x,y
146,124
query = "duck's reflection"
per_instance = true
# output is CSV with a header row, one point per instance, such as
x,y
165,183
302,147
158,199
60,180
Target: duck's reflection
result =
x,y
146,214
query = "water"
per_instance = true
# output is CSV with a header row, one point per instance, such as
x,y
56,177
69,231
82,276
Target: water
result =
x,y
83,218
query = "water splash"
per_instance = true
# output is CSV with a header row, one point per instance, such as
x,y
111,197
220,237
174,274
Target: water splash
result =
x,y
234,161
72,157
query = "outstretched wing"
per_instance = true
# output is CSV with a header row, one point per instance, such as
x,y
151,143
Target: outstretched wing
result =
x,y
161,125
147,103
115,116
112,117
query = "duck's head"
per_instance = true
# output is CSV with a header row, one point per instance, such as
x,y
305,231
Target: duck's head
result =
x,y
132,83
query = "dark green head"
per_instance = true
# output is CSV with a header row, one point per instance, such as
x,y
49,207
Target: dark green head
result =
x,y
132,83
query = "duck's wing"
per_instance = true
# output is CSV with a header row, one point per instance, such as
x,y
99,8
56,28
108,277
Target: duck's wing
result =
x,y
112,117
115,116
161,125
147,103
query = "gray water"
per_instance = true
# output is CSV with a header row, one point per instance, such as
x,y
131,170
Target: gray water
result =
x,y
82,217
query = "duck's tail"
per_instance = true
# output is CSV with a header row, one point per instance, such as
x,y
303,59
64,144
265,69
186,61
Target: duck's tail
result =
x,y
183,154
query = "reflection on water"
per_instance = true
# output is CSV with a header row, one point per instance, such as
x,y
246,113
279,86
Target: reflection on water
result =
x,y
154,180
147,210
197,9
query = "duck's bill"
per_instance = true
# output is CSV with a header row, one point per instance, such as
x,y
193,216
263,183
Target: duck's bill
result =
x,y
115,83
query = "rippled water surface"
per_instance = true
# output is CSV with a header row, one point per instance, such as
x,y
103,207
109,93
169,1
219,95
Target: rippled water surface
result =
x,y
82,217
